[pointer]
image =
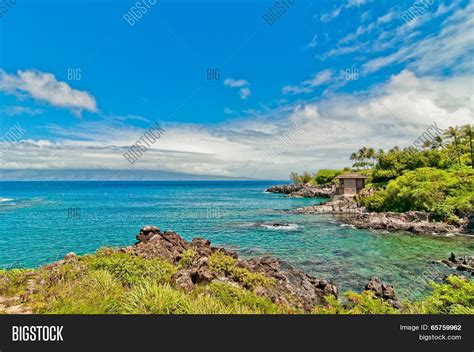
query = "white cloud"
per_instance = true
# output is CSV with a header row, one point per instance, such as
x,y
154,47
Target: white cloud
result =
x,y
19,110
320,78
393,113
45,87
451,48
313,42
358,3
296,89
443,8
244,91
336,10
365,29
329,16
230,82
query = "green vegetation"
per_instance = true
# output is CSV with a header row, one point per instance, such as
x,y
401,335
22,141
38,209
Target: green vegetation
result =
x,y
220,262
436,178
111,282
324,176
187,258
455,296
357,303
364,158
445,193
303,178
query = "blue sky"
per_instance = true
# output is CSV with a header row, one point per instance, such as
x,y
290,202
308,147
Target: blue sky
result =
x,y
342,74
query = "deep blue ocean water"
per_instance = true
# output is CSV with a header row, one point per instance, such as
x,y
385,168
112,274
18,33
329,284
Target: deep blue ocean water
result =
x,y
42,221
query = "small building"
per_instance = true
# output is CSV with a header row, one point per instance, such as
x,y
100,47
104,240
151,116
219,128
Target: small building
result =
x,y
350,184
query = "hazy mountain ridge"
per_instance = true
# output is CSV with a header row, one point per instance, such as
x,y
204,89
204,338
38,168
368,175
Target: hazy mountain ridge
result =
x,y
102,175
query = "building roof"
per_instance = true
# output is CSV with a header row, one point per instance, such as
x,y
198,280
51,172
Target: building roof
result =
x,y
351,175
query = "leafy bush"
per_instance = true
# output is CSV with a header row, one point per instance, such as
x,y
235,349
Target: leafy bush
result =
x,y
358,303
251,280
220,262
187,258
454,296
426,189
325,176
303,178
445,212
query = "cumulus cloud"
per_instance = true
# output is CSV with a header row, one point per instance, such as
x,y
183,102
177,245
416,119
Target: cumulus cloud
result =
x,y
392,113
230,82
45,87
244,90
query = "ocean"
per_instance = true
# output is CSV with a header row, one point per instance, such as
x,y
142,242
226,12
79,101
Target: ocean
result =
x,y
42,221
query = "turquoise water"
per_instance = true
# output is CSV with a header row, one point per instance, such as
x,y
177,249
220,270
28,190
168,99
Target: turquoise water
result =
x,y
42,221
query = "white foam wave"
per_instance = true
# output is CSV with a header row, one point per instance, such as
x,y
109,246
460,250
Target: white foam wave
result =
x,y
281,227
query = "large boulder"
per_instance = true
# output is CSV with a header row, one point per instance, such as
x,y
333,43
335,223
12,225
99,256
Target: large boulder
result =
x,y
383,291
153,243
288,283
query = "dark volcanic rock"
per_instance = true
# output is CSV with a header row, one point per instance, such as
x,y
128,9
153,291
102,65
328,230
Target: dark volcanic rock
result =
x,y
337,205
353,214
291,286
381,290
463,263
152,243
304,289
303,190
413,221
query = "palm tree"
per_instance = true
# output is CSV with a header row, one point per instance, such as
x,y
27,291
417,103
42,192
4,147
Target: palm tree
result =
x,y
362,153
371,155
452,132
354,157
437,143
379,154
467,133
427,144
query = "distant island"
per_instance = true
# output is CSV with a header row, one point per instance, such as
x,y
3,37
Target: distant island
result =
x,y
104,175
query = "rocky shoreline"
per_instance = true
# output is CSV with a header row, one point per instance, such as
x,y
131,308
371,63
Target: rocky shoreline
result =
x,y
197,269
304,190
352,213
463,263
291,286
